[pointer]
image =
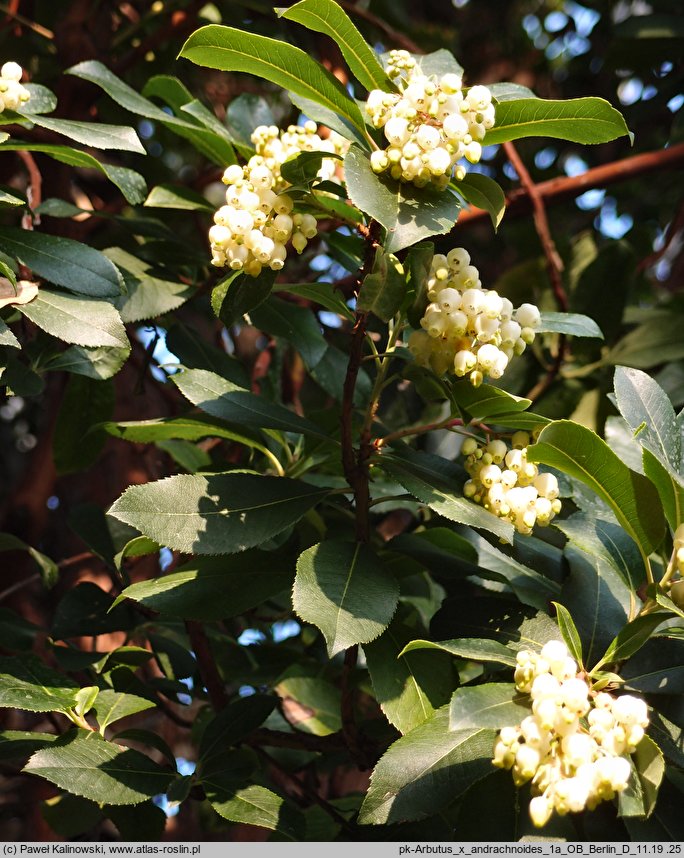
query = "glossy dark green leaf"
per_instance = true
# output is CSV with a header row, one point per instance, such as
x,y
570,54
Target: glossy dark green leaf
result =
x,y
216,514
577,451
344,590
650,344
256,805
326,16
78,439
98,363
49,571
483,193
83,321
409,214
112,706
94,134
494,704
211,588
237,295
86,609
318,293
176,197
426,770
631,638
382,291
7,338
20,744
226,400
84,764
147,296
580,120
486,401
574,324
473,649
409,686
598,599
657,668
229,49
67,263
431,480
648,768
568,630
240,718
297,325
27,683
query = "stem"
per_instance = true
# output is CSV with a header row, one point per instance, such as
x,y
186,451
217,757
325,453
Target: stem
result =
x,y
206,664
418,430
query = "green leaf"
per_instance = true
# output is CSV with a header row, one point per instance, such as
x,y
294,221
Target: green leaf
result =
x,y
474,649
216,514
658,667
140,546
84,764
326,16
177,197
26,683
670,486
649,412
229,49
255,805
83,321
494,704
7,198
574,324
569,631
301,170
318,702
344,590
112,706
425,770
409,686
186,428
43,100
216,147
382,291
87,609
432,480
147,737
607,542
210,588
648,768
247,112
7,338
144,821
631,638
507,91
17,744
49,571
577,451
297,325
651,344
96,363
131,184
240,718
93,134
409,214
195,352
67,263
598,598
486,401
237,295
580,120
146,296
78,439
483,193
228,401
324,116
318,293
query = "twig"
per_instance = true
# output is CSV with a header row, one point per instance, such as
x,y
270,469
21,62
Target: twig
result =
x,y
399,38
34,189
206,664
77,558
19,585
554,263
305,790
673,229
25,22
556,190
418,430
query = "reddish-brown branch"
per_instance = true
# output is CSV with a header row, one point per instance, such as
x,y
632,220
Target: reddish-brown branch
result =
x,y
562,188
554,263
34,188
298,740
398,38
206,664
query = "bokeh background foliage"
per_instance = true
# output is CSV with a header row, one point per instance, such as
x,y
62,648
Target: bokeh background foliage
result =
x,y
303,726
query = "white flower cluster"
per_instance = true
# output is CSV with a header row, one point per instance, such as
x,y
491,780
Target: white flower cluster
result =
x,y
12,93
252,229
506,484
275,147
430,124
468,330
571,766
